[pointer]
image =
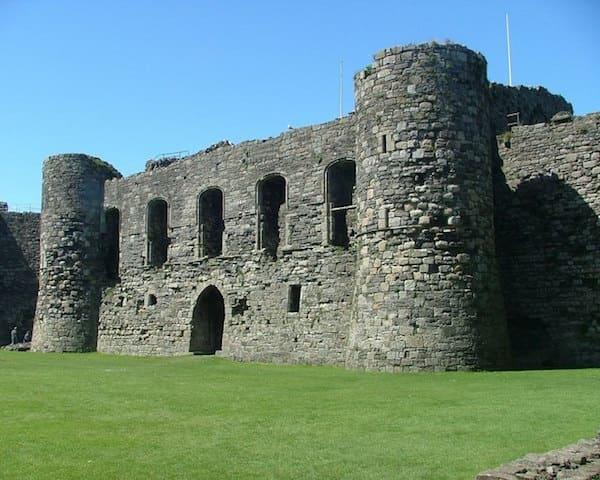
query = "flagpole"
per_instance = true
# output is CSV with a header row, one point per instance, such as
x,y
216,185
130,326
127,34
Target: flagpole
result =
x,y
341,88
508,49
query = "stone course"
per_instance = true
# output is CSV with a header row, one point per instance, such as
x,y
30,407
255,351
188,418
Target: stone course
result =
x,y
401,237
70,253
580,461
533,105
428,293
261,329
548,203
19,265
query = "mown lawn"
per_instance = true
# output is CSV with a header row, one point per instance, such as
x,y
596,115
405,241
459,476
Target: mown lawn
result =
x,y
92,416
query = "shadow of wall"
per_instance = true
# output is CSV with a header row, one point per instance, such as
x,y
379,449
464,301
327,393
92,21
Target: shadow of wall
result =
x,y
549,257
548,245
19,264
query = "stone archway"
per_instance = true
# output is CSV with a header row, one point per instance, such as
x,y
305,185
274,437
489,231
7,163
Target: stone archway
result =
x,y
207,322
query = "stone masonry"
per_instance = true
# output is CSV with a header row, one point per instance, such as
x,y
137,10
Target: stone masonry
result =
x,y
19,265
548,241
420,232
580,461
71,265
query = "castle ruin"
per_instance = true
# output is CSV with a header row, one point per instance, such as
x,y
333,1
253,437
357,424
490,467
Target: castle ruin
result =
x,y
421,232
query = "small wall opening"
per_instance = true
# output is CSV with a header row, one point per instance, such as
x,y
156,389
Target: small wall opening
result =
x,y
150,300
271,198
207,323
341,178
111,243
239,306
294,298
210,223
383,143
156,232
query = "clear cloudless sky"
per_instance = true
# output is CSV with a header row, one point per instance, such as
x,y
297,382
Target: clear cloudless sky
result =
x,y
127,80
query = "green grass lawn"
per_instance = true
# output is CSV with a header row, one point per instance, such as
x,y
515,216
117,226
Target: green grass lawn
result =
x,y
92,416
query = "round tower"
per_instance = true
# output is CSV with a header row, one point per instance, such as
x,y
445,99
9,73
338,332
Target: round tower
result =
x,y
427,292
71,264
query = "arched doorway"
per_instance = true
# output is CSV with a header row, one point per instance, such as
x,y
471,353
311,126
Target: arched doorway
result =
x,y
207,322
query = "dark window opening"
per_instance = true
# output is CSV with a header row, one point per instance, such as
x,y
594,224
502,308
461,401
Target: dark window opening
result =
x,y
271,197
150,300
341,178
383,143
111,245
294,298
210,223
207,322
239,307
158,240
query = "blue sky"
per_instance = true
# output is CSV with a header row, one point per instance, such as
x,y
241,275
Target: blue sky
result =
x,y
127,80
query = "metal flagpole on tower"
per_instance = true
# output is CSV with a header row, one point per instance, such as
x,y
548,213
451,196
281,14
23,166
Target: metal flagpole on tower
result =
x,y
341,88
508,48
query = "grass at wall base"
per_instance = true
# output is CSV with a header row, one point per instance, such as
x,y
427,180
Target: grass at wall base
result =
x,y
99,416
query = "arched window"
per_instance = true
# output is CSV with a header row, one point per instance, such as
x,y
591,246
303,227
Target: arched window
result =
x,y
210,223
156,232
340,181
111,243
271,199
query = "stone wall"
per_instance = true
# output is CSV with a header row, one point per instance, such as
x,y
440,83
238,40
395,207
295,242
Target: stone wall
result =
x,y
255,286
428,295
533,105
372,241
19,264
71,264
580,461
547,209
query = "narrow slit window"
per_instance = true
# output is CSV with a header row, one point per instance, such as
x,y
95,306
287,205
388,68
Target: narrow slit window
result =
x,y
383,143
294,298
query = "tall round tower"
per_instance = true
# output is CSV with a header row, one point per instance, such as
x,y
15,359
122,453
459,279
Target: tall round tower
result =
x,y
427,293
71,265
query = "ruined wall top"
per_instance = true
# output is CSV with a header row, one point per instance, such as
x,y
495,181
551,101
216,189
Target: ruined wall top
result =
x,y
533,105
386,55
82,160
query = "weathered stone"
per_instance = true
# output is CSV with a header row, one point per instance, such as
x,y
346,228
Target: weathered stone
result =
x,y
562,117
72,200
548,243
580,461
304,247
523,106
19,265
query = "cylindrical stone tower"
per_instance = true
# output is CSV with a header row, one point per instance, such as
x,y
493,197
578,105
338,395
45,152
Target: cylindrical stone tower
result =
x,y
71,264
427,293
